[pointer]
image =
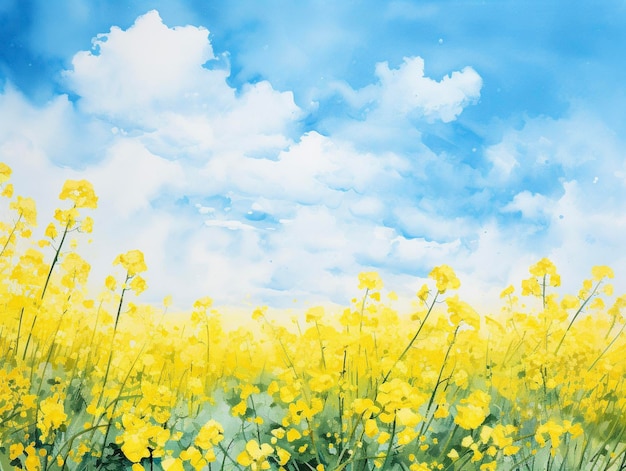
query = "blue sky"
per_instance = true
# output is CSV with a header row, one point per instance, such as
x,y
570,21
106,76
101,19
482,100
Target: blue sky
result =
x,y
260,152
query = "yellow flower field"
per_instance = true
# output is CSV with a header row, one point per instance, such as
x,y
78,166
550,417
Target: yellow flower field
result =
x,y
97,382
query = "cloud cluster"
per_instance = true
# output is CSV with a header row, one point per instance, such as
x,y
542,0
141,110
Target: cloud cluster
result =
x,y
230,195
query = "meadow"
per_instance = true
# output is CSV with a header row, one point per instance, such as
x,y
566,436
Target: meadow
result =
x,y
102,382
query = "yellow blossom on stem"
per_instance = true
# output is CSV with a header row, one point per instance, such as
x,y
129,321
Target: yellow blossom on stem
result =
x,y
80,192
445,278
132,261
370,280
27,209
211,433
255,455
52,416
601,271
460,311
315,314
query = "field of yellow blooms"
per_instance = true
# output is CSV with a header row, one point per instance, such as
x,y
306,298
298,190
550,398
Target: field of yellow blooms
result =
x,y
96,382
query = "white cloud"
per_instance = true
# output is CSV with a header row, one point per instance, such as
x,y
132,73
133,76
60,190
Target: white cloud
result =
x,y
154,79
391,112
148,64
529,205
130,177
406,90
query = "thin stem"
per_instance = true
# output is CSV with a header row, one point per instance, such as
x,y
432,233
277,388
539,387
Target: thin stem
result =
x,y
45,286
580,309
408,347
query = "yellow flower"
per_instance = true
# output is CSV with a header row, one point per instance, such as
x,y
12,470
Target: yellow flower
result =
x,y
5,172
51,231
601,271
211,433
255,456
321,382
491,466
278,432
172,464
27,209
293,434
461,311
283,456
442,411
445,278
469,416
52,415
407,417
240,408
315,314
569,302
422,294
553,430
370,280
202,304
508,291
80,192
132,261
371,428
8,191
272,388
194,456
485,433
575,430
531,287
500,435
77,269
32,461
473,411
543,267
15,449
138,285
87,225
110,283
247,390
365,406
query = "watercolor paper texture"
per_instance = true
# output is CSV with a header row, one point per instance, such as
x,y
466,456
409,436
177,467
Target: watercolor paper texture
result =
x,y
310,235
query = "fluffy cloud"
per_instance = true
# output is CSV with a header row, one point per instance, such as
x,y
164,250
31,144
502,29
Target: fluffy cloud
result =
x,y
407,91
148,64
167,84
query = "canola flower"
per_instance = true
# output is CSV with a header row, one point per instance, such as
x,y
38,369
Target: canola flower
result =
x,y
103,382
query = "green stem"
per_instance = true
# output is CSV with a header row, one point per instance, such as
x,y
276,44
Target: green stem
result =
x,y
45,286
438,383
6,244
319,336
580,309
117,318
393,433
408,347
608,347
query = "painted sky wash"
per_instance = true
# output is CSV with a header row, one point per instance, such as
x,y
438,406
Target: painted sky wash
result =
x,y
263,152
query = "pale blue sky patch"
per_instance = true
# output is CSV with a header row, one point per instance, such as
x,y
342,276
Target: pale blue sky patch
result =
x,y
259,152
